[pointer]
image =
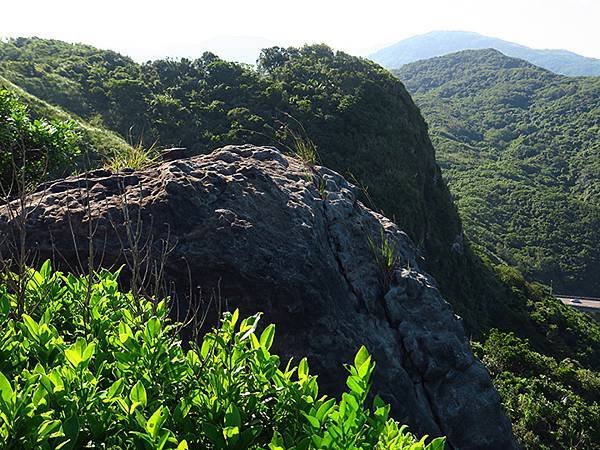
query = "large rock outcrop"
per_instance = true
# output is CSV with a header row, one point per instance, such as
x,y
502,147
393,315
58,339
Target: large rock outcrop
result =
x,y
269,234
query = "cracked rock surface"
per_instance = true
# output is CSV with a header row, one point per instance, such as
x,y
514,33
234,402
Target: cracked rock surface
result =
x,y
269,234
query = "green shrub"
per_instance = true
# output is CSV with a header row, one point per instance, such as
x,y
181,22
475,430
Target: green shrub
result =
x,y
552,404
91,367
32,149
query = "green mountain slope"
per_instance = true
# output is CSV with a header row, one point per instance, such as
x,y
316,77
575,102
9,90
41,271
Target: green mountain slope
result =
x,y
519,148
438,43
364,125
76,77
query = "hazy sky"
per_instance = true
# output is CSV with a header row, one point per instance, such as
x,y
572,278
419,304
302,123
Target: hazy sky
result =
x,y
149,28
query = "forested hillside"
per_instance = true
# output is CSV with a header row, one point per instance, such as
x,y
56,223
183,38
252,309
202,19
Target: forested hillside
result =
x,y
365,125
519,148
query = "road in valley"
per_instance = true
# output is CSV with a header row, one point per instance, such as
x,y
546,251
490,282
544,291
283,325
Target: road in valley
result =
x,y
583,303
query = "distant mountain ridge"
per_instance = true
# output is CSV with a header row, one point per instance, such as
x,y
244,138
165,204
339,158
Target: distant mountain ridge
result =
x,y
439,43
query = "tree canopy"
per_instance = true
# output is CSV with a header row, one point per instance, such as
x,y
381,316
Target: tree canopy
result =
x,y
519,148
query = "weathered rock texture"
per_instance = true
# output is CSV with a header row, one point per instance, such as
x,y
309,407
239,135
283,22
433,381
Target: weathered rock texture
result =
x,y
275,236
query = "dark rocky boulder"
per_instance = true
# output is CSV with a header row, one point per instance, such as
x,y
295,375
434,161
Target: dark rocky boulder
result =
x,y
269,234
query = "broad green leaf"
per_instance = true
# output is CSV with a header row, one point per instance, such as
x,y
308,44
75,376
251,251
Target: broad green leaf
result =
x,y
123,404
115,389
365,368
378,402
138,394
46,428
277,440
89,351
139,417
361,356
351,402
153,327
234,317
324,409
31,325
39,396
6,390
233,417
74,353
355,385
303,369
163,440
125,332
256,344
312,420
437,444
58,383
207,346
46,269
156,421
266,338
317,441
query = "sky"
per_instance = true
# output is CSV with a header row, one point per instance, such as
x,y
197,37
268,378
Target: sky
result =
x,y
152,29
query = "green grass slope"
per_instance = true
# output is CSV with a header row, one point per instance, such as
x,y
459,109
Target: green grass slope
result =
x,y
519,148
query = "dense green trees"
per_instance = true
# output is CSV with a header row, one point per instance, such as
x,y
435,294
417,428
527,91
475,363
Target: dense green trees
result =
x,y
39,141
519,148
548,379
552,404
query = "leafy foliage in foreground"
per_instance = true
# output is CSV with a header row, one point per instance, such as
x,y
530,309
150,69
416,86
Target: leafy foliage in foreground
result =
x,y
519,148
92,367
